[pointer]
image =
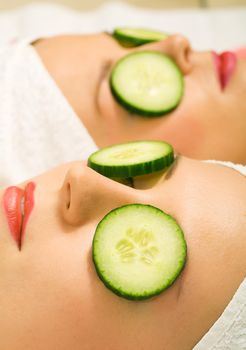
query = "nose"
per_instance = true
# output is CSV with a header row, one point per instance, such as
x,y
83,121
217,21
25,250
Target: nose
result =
x,y
176,46
87,195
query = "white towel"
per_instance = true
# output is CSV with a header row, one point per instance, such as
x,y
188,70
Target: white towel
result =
x,y
38,127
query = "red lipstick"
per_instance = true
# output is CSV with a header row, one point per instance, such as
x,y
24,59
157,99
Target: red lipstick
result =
x,y
18,204
225,64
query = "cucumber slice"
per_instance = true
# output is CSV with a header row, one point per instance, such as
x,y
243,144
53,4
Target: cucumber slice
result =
x,y
148,83
138,251
131,37
130,159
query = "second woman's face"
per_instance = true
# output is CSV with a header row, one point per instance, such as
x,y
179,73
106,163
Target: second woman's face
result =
x,y
209,123
50,295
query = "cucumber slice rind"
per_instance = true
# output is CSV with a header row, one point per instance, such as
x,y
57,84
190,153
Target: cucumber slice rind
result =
x,y
120,290
145,106
132,37
126,169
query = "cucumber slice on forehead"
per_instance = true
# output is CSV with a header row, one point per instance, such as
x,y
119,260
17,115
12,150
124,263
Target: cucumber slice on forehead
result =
x,y
132,159
138,251
148,83
131,37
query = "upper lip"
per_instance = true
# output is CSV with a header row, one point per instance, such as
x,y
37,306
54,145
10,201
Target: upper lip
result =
x,y
225,64
18,204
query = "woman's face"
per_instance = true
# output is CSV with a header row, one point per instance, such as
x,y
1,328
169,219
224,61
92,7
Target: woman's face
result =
x,y
209,123
50,295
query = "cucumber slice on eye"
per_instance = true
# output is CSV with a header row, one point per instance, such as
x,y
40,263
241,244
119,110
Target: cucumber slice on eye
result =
x,y
131,37
131,159
138,251
148,83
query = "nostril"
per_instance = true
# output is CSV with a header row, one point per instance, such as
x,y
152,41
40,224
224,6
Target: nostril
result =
x,y
76,194
187,51
186,54
181,51
68,196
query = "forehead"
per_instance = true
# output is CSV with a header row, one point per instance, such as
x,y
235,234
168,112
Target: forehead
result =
x,y
104,41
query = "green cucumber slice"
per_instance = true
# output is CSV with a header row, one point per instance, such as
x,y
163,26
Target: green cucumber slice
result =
x,y
138,251
131,37
130,159
148,83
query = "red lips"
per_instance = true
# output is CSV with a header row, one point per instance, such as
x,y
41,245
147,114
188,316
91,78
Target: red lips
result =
x,y
225,64
18,204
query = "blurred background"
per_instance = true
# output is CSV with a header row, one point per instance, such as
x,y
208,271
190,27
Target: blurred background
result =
x,y
88,4
209,24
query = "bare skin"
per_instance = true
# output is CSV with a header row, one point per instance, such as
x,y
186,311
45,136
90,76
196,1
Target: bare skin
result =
x,y
51,297
208,124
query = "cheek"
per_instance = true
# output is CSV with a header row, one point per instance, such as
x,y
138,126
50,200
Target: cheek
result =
x,y
186,134
184,131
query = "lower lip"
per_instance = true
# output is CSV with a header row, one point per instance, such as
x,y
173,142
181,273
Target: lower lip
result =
x,y
225,64
12,198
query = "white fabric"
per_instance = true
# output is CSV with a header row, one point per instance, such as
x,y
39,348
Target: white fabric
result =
x,y
229,331
38,128
218,29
